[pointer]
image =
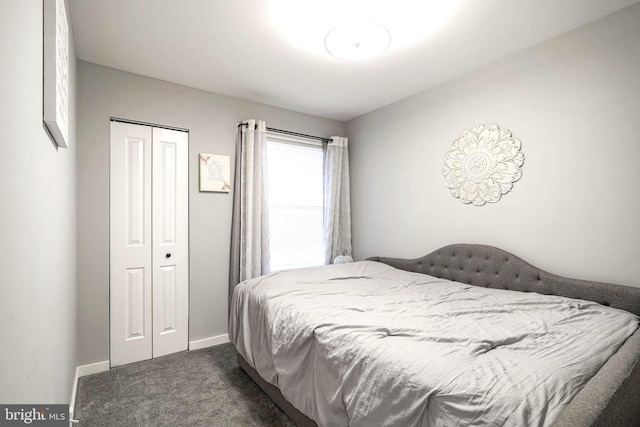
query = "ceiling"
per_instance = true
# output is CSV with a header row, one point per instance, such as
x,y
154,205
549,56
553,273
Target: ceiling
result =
x,y
272,51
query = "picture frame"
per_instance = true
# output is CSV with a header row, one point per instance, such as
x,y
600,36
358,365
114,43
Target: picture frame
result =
x,y
56,71
215,173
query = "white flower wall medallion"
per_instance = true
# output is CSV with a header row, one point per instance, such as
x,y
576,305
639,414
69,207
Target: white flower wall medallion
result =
x,y
483,164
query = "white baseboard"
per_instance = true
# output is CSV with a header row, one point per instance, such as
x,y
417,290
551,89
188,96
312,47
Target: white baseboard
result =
x,y
81,371
72,403
92,368
209,342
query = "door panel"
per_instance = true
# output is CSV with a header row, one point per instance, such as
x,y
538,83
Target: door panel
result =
x,y
130,244
135,191
170,242
134,304
167,286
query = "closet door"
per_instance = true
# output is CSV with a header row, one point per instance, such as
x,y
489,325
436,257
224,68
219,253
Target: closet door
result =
x,y
130,243
170,241
149,242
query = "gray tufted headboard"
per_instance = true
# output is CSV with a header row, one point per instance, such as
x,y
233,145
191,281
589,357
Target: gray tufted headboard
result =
x,y
487,266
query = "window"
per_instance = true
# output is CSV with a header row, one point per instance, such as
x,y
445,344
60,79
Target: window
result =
x,y
295,186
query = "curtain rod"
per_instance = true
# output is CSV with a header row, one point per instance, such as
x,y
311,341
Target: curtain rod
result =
x,y
287,132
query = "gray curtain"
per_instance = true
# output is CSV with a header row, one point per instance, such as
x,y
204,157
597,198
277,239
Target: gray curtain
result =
x,y
250,221
337,200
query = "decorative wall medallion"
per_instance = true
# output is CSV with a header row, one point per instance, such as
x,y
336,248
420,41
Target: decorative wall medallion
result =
x,y
483,164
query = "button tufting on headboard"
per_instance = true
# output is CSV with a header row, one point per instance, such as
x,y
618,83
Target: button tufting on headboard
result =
x,y
488,266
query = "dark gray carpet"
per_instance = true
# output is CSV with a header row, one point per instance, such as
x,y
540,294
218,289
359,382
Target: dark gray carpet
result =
x,y
195,388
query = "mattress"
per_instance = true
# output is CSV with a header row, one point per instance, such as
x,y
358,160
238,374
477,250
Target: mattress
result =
x,y
365,344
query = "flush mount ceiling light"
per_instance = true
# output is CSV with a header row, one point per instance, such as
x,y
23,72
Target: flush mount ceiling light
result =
x,y
304,24
357,40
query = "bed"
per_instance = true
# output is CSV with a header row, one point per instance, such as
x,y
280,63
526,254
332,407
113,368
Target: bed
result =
x,y
295,363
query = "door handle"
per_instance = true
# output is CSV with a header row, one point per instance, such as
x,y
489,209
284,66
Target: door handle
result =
x,y
168,255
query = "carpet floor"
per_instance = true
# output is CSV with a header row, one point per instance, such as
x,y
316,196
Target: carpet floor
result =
x,y
193,388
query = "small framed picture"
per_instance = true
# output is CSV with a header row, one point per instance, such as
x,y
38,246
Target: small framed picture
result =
x,y
215,173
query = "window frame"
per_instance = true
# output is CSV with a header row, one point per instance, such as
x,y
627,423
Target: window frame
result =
x,y
303,142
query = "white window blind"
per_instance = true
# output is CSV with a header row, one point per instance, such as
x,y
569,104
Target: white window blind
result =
x,y
295,185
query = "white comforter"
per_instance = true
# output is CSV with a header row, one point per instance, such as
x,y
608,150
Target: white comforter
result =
x,y
364,344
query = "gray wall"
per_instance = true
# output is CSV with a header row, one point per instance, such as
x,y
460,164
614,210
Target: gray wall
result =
x,y
575,104
37,223
211,120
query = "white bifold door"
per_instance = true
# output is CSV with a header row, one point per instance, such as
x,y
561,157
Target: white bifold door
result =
x,y
149,246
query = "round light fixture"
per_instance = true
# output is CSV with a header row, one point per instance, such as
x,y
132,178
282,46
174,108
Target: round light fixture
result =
x,y
355,41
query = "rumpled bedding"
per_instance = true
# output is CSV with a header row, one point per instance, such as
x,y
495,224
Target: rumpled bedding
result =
x,y
365,344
